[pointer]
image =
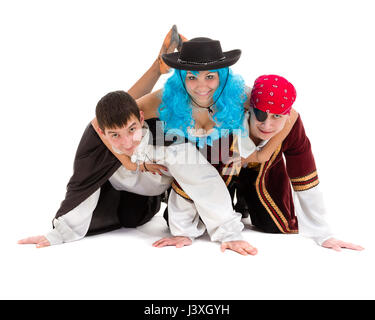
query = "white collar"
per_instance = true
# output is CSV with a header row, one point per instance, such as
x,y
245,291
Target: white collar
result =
x,y
262,143
141,150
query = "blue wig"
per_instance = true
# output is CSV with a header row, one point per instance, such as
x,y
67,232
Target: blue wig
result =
x,y
176,110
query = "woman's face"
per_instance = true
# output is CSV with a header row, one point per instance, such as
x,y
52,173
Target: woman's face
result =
x,y
267,129
202,86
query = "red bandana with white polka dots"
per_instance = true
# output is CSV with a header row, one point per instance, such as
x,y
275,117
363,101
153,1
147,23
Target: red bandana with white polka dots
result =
x,y
273,94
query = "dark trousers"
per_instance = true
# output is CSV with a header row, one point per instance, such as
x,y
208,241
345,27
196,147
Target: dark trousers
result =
x,y
248,201
116,209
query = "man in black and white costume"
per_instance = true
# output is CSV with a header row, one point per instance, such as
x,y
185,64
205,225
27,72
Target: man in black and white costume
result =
x,y
105,194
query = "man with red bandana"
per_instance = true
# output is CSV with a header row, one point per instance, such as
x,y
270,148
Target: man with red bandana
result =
x,y
264,190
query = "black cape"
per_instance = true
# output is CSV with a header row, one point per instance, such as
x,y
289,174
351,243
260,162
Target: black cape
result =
x,y
94,164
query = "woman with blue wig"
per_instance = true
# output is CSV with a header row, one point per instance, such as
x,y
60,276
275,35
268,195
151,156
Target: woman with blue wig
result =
x,y
202,102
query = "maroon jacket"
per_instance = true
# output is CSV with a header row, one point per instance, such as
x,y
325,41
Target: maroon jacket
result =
x,y
267,187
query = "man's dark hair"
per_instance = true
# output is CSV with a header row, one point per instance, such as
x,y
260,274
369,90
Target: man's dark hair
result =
x,y
115,109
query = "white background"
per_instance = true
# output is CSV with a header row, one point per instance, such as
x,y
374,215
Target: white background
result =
x,y
58,58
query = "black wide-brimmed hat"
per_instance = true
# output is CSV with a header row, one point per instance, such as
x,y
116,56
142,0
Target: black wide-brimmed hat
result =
x,y
201,54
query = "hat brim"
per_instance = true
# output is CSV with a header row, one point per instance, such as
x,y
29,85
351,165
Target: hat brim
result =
x,y
231,57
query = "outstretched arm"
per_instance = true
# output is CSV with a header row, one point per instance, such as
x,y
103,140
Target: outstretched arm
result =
x,y
39,241
68,227
311,211
337,245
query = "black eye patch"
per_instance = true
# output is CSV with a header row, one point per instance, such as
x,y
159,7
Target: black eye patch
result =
x,y
260,115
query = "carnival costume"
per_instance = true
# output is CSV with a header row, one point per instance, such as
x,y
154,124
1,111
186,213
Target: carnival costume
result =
x,y
227,140
102,195
266,188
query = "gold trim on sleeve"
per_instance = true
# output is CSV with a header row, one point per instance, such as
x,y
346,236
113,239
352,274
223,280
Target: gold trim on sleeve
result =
x,y
306,182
